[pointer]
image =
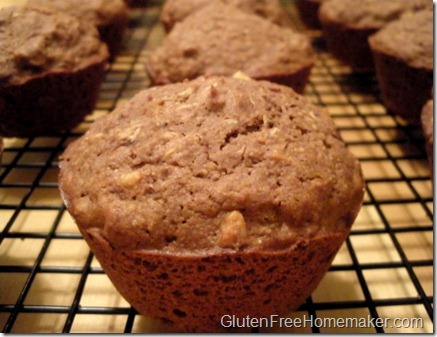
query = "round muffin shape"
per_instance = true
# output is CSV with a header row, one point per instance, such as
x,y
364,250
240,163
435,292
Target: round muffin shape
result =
x,y
220,40
403,53
212,197
109,16
51,69
174,11
347,25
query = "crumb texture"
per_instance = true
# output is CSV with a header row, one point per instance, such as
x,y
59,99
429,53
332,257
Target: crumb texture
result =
x,y
217,164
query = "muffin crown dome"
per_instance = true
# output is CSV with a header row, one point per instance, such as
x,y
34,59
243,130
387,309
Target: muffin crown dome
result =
x,y
212,164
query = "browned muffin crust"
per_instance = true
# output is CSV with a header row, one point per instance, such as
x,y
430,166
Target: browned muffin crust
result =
x,y
191,144
174,11
51,68
221,40
213,196
427,120
109,16
403,53
347,25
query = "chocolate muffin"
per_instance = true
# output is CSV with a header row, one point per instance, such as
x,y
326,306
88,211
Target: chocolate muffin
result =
x,y
220,40
427,120
403,53
51,69
109,16
211,197
347,24
175,11
309,12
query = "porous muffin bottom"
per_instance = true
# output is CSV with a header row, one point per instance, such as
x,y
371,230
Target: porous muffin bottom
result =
x,y
404,90
50,104
195,292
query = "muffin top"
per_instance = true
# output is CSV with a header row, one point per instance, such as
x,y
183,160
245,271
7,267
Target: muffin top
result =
x,y
371,14
220,40
99,12
409,39
215,164
174,11
34,42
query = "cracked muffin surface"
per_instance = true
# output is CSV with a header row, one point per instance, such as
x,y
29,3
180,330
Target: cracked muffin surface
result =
x,y
215,164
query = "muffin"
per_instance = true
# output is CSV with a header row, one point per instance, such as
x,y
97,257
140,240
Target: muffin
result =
x,y
110,17
1,149
220,40
212,197
347,24
403,53
51,69
427,120
309,12
175,11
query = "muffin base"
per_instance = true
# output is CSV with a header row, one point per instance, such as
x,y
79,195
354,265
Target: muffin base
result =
x,y
194,292
309,12
51,103
112,35
349,45
297,81
404,90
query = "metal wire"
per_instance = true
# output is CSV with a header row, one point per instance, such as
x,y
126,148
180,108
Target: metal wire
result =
x,y
33,219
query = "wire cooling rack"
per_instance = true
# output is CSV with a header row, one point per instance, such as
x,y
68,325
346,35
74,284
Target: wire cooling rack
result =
x,y
50,282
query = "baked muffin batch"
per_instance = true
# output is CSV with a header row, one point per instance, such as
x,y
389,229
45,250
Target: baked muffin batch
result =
x,y
221,189
392,38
